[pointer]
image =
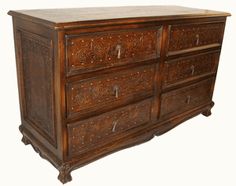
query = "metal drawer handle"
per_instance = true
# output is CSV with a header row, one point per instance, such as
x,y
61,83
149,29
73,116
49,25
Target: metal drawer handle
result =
x,y
114,126
188,99
116,91
192,69
118,48
197,41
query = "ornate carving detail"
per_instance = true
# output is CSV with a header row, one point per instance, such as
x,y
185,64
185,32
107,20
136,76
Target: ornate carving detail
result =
x,y
64,173
96,51
38,83
180,100
182,69
102,90
91,132
188,36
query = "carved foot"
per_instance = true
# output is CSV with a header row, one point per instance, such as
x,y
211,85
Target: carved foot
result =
x,y
25,140
207,112
64,173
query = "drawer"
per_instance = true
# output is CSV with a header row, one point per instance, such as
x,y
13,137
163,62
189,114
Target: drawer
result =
x,y
110,90
191,67
184,99
85,134
94,51
188,36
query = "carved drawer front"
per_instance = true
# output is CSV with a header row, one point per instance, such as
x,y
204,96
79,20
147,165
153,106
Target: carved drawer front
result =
x,y
183,99
106,49
109,89
182,69
195,35
92,131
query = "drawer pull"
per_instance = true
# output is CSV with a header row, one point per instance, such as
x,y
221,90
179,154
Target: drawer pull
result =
x,y
114,126
192,69
197,41
116,90
118,49
188,99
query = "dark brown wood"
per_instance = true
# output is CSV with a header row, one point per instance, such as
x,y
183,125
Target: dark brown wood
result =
x,y
97,80
190,67
77,17
192,36
186,98
38,83
110,89
103,127
88,52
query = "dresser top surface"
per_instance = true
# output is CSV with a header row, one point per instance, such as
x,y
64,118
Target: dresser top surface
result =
x,y
80,15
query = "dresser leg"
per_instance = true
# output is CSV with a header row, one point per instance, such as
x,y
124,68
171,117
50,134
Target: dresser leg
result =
x,y
25,140
208,111
64,173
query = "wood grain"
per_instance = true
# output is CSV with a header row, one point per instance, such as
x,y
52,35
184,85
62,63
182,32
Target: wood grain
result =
x,y
97,80
74,17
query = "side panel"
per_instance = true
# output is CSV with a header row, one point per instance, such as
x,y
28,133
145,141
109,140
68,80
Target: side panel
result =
x,y
35,60
37,63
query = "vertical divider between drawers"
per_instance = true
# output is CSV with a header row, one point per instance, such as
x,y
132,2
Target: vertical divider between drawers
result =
x,y
158,75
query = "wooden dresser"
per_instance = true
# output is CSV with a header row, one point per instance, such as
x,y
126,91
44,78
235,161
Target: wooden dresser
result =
x,y
94,81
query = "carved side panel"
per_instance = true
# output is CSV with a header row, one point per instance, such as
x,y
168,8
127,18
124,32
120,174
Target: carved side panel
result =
x,y
106,49
93,131
107,89
37,59
189,67
188,36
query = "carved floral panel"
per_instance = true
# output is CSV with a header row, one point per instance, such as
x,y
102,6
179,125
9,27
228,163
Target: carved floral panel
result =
x,y
186,98
188,36
106,89
107,49
92,131
193,66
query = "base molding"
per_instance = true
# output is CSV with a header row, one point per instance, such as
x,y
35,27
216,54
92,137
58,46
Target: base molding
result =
x,y
29,139
138,137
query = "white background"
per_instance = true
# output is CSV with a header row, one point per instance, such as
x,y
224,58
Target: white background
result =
x,y
200,152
